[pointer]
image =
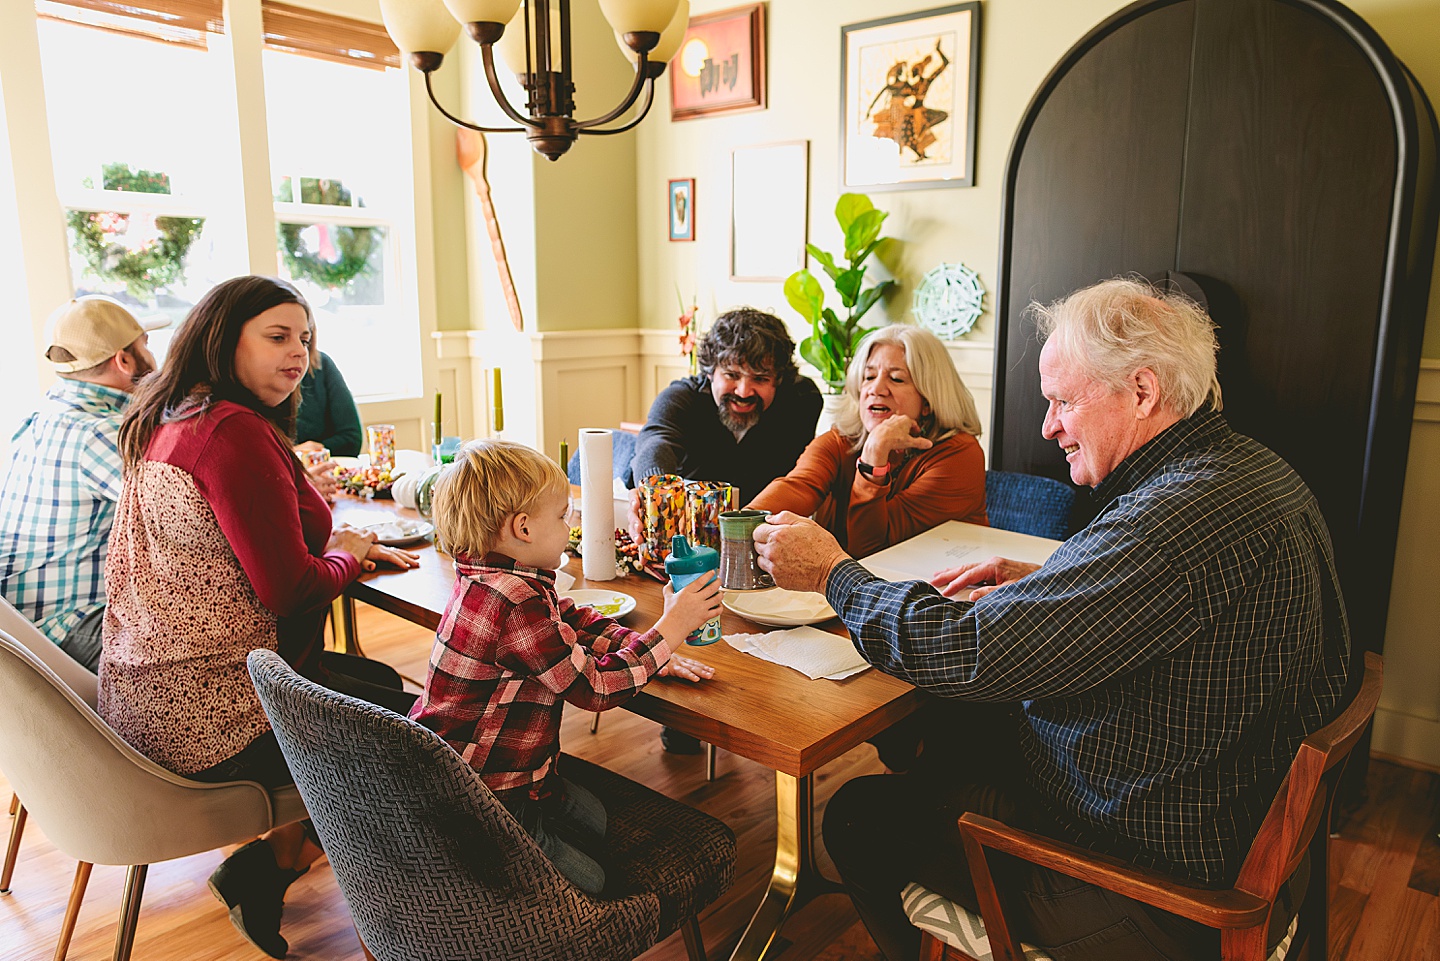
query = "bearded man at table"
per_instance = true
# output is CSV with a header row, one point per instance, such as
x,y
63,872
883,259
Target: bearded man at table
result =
x,y
1143,691
744,419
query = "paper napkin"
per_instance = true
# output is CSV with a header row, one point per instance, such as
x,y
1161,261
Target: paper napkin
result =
x,y
812,652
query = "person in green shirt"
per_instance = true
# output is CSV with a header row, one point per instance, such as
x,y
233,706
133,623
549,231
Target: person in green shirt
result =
x,y
328,417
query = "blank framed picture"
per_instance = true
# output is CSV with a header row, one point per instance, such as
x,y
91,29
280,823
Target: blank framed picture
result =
x,y
769,210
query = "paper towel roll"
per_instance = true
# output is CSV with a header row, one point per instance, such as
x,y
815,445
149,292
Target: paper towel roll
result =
x,y
597,539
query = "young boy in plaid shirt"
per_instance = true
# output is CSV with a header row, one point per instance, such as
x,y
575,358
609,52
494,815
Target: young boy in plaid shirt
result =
x,y
509,650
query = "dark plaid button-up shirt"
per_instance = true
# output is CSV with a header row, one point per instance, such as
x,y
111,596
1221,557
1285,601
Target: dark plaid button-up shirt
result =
x,y
507,653
1168,659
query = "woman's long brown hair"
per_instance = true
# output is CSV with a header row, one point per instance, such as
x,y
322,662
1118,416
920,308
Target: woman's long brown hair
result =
x,y
199,368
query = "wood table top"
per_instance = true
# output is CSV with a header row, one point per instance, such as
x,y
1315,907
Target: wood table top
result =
x,y
754,708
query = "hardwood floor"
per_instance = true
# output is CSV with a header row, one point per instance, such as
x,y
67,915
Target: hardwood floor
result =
x,y
1386,905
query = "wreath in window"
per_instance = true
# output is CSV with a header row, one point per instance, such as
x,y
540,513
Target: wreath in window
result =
x,y
144,252
342,254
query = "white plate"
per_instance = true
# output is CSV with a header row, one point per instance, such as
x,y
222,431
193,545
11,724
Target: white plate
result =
x,y
603,599
745,604
399,533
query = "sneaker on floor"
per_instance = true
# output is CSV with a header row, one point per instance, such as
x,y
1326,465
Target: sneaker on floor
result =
x,y
678,742
252,886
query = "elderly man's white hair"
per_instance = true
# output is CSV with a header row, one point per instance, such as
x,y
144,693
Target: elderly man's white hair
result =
x,y
1116,327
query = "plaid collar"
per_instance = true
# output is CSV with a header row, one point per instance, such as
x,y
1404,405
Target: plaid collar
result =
x,y
1197,430
467,566
88,397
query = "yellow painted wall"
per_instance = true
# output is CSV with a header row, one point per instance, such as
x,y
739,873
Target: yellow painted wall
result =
x,y
1021,41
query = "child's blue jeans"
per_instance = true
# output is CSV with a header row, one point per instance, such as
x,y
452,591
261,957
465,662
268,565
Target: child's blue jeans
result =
x,y
566,825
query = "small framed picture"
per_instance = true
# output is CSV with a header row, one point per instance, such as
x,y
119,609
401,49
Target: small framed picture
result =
x,y
907,99
721,64
682,209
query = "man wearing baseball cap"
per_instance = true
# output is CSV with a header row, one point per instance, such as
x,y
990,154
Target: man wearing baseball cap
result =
x,y
60,487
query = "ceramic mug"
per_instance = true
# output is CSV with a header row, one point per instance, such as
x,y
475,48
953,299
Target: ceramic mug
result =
x,y
739,564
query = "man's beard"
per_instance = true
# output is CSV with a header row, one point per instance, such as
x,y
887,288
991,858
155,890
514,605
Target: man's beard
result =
x,y
142,369
738,422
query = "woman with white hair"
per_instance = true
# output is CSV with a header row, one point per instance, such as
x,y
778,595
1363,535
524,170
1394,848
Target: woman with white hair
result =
x,y
902,456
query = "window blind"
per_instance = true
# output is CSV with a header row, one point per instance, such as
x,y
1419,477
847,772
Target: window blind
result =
x,y
326,36
187,22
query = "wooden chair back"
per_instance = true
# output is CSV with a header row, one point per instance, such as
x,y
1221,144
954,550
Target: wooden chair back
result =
x,y
1298,821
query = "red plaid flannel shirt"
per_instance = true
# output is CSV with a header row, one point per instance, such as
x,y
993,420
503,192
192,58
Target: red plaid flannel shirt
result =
x,y
508,651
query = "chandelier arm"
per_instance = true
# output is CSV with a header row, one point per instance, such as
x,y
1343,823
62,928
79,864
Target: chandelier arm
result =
x,y
464,123
639,83
634,121
487,56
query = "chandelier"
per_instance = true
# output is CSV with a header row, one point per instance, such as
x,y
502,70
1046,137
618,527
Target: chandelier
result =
x,y
533,38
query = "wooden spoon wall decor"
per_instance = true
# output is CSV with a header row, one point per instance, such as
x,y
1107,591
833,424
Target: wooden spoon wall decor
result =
x,y
470,150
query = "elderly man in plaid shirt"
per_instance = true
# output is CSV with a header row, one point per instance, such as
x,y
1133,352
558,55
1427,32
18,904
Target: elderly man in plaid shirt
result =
x,y
1142,692
62,481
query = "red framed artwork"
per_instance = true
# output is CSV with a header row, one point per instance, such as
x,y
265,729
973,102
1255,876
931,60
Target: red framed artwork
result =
x,y
721,64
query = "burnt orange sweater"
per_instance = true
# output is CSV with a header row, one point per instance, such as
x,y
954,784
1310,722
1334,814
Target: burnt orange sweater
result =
x,y
946,482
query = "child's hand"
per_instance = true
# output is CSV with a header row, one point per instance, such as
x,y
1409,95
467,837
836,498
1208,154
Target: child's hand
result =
x,y
690,670
688,610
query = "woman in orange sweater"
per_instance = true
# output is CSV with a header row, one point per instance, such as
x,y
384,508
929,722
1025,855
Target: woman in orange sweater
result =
x,y
902,456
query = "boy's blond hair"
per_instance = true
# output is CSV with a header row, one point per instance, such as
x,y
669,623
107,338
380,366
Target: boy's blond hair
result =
x,y
490,481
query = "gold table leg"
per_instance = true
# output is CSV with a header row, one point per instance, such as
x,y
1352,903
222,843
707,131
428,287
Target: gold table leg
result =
x,y
342,621
795,880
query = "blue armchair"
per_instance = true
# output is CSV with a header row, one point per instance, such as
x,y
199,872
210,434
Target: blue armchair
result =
x,y
1028,504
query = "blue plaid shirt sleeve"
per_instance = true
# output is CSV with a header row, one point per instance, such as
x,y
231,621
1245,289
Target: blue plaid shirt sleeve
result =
x,y
1074,624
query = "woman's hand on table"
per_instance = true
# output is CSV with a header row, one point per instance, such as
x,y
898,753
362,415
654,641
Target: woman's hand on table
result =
x,y
984,576
897,432
394,556
797,552
353,541
686,668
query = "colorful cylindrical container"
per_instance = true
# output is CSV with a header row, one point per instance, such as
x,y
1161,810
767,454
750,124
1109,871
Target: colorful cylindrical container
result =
x,y
662,507
382,444
705,501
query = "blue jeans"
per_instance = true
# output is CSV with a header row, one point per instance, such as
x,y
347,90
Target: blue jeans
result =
x,y
566,825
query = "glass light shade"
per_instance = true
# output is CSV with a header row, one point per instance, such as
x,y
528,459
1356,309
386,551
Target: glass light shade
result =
x,y
483,11
670,38
634,16
419,26
511,45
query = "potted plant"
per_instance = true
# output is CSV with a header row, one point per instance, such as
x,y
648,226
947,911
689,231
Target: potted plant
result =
x,y
832,341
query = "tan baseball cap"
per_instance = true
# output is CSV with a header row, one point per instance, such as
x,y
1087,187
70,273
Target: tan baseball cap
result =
x,y
87,331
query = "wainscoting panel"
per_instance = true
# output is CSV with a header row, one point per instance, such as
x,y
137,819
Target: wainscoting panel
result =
x,y
1407,723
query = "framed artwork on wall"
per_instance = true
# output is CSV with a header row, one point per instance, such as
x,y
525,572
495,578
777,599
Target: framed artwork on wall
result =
x,y
769,209
908,89
682,209
721,64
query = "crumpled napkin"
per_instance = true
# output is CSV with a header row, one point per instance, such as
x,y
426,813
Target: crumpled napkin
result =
x,y
782,603
812,652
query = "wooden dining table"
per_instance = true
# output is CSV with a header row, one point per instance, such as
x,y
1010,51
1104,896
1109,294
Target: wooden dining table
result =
x,y
760,710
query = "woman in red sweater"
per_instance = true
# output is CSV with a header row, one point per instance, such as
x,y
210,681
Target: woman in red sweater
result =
x,y
902,456
221,545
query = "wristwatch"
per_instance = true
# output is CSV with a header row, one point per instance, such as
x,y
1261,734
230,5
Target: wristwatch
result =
x,y
876,474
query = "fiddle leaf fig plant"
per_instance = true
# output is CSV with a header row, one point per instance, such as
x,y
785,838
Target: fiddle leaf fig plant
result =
x,y
832,341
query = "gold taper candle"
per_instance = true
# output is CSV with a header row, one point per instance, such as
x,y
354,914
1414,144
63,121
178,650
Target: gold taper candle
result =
x,y
564,454
498,404
437,431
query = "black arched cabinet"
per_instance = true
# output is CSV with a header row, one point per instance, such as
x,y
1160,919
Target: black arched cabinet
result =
x,y
1276,153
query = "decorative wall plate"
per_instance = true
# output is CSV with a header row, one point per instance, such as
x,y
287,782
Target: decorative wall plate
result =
x,y
949,300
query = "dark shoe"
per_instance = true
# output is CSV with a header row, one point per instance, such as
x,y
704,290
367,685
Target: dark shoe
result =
x,y
678,742
253,887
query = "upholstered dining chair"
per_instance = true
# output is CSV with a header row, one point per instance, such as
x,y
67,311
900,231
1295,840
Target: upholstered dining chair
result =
x,y
1297,824
1028,504
433,866
77,678
54,749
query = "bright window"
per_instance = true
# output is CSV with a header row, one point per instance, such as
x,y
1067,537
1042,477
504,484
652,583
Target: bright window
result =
x,y
341,165
133,125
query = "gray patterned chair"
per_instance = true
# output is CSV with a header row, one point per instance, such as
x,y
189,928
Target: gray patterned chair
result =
x,y
433,866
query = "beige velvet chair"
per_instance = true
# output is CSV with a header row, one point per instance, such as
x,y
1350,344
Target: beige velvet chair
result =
x,y
80,681
54,749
